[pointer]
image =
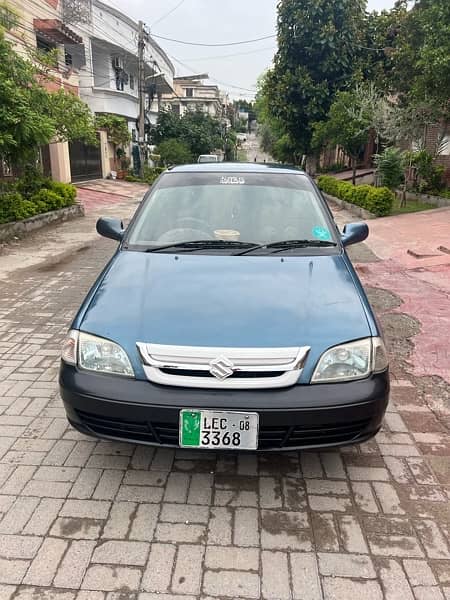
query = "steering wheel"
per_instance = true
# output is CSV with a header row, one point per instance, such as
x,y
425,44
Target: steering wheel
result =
x,y
193,223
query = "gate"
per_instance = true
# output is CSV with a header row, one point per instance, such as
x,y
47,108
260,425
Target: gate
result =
x,y
85,161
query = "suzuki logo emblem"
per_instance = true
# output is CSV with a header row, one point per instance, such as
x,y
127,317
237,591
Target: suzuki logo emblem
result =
x,y
221,368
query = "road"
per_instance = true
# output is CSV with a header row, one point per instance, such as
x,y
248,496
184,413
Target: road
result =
x,y
251,146
93,520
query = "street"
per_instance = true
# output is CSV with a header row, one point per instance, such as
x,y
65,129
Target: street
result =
x,y
251,147
95,520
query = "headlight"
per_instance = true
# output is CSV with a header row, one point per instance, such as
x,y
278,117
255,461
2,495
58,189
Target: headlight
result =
x,y
95,354
355,360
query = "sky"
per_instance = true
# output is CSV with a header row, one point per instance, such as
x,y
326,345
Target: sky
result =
x,y
235,69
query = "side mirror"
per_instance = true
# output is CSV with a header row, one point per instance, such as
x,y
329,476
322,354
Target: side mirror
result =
x,y
355,233
110,228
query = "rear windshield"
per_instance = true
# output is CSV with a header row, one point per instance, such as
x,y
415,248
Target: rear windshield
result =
x,y
249,207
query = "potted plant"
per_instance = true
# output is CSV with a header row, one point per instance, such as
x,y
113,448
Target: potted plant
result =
x,y
124,163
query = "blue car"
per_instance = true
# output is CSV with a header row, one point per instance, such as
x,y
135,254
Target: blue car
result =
x,y
230,317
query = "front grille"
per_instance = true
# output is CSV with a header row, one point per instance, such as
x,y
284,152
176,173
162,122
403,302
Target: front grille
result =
x,y
270,438
223,368
236,375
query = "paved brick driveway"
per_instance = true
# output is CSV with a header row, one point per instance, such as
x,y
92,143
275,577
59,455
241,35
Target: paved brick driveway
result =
x,y
94,520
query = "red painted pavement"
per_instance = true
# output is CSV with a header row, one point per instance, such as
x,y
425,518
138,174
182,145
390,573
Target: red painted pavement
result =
x,y
422,283
92,200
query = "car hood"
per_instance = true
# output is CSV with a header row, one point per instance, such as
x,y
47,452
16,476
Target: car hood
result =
x,y
226,301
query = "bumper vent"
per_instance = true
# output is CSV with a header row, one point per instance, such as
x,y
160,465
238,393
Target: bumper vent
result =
x,y
270,438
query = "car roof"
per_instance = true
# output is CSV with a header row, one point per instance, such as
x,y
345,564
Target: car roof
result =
x,y
235,167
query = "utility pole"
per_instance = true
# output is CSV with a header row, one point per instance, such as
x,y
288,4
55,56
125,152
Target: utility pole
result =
x,y
141,72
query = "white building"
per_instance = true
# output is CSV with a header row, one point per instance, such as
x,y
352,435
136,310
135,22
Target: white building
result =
x,y
109,80
190,93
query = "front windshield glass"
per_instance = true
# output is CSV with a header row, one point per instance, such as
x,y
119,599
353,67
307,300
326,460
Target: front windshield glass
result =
x,y
247,207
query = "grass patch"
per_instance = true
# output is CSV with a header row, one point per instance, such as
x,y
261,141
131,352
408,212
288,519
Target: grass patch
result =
x,y
412,206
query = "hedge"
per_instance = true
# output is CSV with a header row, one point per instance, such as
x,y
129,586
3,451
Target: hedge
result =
x,y
20,200
151,174
378,201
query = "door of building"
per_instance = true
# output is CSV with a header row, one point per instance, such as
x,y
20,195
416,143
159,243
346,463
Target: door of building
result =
x,y
85,161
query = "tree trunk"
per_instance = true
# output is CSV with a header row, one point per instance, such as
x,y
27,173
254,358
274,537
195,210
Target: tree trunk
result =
x,y
311,165
353,170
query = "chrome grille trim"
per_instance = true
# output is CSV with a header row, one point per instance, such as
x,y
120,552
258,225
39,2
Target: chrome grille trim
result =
x,y
286,364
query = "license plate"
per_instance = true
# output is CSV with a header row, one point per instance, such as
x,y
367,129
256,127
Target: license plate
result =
x,y
219,430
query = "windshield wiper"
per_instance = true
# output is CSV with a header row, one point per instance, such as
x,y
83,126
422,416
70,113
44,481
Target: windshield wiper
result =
x,y
201,244
288,245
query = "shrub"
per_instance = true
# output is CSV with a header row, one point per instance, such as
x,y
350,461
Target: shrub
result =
x,y
13,207
65,190
328,184
378,201
51,200
31,182
390,167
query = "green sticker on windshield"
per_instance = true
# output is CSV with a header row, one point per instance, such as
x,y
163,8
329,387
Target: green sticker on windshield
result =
x,y
321,233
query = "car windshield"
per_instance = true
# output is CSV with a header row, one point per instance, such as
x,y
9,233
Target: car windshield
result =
x,y
231,207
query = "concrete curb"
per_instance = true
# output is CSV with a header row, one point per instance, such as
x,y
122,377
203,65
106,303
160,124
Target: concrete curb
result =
x,y
21,228
352,208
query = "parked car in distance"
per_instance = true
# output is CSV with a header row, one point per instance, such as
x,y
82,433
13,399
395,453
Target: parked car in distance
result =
x,y
208,158
230,317
241,137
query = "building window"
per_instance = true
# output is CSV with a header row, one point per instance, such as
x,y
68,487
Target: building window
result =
x,y
44,46
189,92
445,151
131,82
68,59
119,81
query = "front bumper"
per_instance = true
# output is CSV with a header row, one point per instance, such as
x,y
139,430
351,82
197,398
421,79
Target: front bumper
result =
x,y
299,417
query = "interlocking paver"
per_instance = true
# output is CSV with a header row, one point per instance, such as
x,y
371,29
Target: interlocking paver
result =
x,y
275,576
188,569
394,581
44,566
305,577
82,519
158,575
108,578
236,584
74,564
337,589
219,557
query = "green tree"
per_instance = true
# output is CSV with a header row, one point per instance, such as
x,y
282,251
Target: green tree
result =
x,y
200,132
116,127
315,58
423,57
23,124
29,115
174,152
378,42
349,123
272,136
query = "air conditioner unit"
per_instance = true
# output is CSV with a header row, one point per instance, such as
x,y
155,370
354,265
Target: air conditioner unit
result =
x,y
117,62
